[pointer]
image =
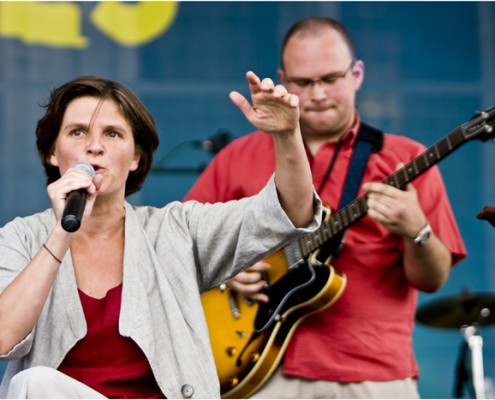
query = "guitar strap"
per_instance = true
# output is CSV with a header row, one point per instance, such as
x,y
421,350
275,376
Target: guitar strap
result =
x,y
369,140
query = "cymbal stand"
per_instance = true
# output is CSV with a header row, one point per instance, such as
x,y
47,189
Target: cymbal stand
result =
x,y
474,341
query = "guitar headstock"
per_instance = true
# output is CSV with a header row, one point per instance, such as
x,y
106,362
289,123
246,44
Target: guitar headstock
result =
x,y
481,126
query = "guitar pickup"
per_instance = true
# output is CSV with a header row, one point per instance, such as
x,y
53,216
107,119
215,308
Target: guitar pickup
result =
x,y
293,254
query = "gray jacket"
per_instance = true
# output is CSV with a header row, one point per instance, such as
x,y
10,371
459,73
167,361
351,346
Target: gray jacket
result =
x,y
172,255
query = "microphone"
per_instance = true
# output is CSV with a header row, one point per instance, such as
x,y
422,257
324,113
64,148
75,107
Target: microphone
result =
x,y
76,201
216,143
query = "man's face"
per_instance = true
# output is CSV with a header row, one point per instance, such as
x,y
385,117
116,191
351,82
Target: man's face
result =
x,y
321,71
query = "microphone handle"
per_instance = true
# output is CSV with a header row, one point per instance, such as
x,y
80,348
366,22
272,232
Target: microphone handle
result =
x,y
74,209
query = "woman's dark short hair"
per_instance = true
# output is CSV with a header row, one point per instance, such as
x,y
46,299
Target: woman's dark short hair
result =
x,y
136,114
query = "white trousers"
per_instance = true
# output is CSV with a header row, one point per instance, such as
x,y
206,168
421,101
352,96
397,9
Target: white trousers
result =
x,y
48,383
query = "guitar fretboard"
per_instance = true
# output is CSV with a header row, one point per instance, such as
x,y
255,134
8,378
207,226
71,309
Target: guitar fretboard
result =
x,y
356,209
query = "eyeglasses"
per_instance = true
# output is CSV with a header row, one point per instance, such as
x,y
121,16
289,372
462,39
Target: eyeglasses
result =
x,y
327,80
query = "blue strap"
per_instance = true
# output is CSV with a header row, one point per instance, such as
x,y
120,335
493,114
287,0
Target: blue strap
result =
x,y
369,140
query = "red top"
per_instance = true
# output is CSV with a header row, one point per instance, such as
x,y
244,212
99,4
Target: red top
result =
x,y
104,360
367,333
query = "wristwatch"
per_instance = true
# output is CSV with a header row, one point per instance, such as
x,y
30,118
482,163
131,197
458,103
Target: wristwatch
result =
x,y
423,235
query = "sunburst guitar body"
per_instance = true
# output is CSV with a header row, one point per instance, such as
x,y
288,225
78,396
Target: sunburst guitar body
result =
x,y
250,338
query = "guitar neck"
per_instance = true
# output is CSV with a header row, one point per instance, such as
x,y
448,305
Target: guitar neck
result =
x,y
356,209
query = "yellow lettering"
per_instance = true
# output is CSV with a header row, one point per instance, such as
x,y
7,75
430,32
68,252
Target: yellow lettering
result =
x,y
134,24
55,24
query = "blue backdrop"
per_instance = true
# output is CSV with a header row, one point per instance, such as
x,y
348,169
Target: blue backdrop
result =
x,y
429,68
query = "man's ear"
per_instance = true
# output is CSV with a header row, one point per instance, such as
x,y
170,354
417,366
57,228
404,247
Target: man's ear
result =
x,y
358,73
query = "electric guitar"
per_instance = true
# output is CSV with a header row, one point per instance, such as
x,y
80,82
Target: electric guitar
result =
x,y
250,338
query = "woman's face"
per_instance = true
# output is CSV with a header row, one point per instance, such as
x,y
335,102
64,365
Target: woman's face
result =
x,y
94,131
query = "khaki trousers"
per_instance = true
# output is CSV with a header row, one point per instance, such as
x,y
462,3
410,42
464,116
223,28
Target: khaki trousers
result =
x,y
280,386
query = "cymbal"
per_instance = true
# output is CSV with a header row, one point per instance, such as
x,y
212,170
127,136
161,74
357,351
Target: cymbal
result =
x,y
454,312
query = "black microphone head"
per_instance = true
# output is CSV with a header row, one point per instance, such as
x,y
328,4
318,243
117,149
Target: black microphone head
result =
x,y
85,167
71,223
76,201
